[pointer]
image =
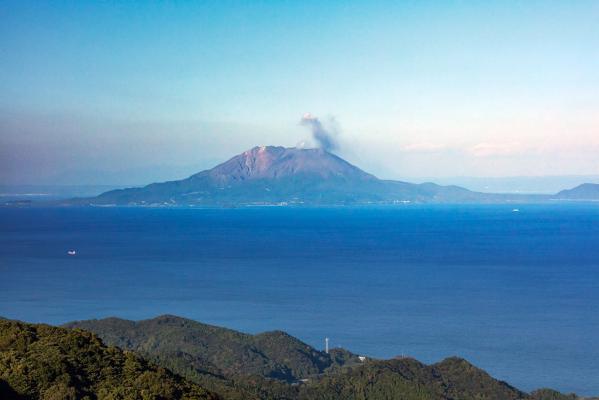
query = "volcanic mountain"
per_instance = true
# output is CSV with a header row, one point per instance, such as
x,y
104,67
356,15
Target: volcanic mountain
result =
x,y
276,175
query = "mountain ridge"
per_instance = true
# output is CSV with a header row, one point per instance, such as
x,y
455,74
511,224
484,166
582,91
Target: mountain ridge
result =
x,y
223,351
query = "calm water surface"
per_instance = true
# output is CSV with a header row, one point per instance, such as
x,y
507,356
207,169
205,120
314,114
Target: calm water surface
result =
x,y
515,293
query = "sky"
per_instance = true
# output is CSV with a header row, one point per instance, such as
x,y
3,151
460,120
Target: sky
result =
x,y
134,92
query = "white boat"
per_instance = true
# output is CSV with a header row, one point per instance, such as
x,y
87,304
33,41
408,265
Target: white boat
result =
x,y
516,210
71,252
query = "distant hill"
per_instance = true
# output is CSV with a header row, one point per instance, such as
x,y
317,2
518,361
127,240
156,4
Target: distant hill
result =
x,y
234,364
547,185
215,350
45,362
274,365
586,191
406,378
278,175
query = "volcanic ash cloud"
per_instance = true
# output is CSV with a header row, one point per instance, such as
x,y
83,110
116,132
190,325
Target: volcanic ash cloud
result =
x,y
325,138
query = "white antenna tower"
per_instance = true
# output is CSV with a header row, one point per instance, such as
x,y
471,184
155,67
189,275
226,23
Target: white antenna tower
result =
x,y
326,345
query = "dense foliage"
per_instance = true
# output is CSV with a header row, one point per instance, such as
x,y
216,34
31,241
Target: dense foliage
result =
x,y
234,364
409,379
550,394
44,362
207,349
269,365
50,363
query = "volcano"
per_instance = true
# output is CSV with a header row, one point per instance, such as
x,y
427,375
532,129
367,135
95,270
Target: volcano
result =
x,y
271,175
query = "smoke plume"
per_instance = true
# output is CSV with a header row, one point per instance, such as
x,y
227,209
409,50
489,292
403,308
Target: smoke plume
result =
x,y
325,138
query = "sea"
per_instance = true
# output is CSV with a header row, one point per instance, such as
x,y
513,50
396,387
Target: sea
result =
x,y
514,289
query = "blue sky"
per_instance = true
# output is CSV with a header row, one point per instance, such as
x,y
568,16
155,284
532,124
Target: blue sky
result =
x,y
139,92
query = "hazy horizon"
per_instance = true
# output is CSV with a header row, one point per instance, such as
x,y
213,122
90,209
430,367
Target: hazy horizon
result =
x,y
68,185
406,90
94,182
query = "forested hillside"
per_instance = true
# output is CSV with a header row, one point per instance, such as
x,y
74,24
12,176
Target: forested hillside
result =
x,y
50,363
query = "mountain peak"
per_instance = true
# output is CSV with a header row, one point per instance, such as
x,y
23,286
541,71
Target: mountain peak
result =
x,y
276,162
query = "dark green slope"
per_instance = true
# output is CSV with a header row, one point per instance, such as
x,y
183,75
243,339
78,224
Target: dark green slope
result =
x,y
467,381
213,350
234,364
44,362
550,394
409,379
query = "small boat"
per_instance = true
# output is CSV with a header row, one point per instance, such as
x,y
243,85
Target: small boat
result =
x,y
71,252
516,210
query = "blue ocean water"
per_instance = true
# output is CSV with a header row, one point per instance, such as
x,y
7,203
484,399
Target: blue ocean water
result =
x,y
516,293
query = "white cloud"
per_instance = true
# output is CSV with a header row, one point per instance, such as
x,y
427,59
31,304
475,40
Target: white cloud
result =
x,y
488,149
